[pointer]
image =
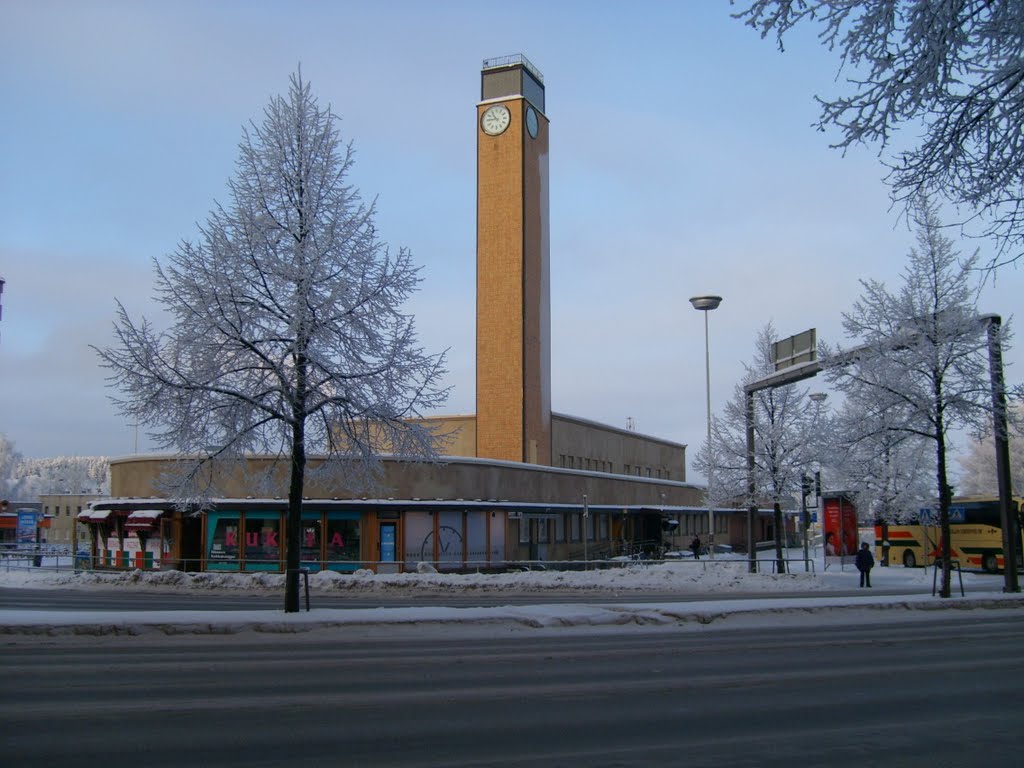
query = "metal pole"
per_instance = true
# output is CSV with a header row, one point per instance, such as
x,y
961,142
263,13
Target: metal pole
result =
x,y
751,486
586,551
707,380
1008,519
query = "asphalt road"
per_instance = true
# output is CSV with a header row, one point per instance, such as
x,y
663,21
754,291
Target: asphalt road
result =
x,y
937,691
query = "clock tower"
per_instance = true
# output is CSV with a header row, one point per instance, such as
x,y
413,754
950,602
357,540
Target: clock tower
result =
x,y
513,333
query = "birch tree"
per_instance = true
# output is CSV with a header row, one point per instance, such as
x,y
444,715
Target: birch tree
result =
x,y
285,335
921,367
785,437
952,72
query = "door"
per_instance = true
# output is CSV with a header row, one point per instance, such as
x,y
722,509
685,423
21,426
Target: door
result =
x,y
388,548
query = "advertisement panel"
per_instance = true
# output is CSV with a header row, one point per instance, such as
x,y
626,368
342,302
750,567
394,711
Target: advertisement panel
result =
x,y
27,521
839,526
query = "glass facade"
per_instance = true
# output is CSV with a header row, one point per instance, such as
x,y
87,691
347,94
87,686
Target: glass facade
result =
x,y
254,541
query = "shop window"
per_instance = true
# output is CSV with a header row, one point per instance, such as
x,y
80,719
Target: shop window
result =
x,y
310,541
590,527
450,543
262,542
542,531
560,528
524,531
418,536
574,526
225,541
476,537
602,527
342,540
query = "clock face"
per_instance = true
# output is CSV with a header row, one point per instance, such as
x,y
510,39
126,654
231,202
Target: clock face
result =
x,y
531,122
495,120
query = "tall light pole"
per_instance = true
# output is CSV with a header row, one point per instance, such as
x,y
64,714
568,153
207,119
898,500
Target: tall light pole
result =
x,y
817,398
705,304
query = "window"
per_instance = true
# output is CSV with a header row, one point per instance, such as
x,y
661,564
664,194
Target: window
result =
x,y
560,528
574,526
262,540
224,541
590,528
342,540
524,531
602,527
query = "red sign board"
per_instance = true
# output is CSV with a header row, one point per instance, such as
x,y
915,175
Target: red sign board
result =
x,y
840,526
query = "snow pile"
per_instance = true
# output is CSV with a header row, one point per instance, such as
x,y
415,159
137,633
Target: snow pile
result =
x,y
727,595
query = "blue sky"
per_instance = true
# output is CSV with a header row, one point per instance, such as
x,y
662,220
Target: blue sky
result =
x,y
683,161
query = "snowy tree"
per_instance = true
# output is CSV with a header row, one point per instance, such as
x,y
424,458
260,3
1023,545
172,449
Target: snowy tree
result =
x,y
887,471
785,440
9,461
922,366
26,479
953,70
286,335
979,462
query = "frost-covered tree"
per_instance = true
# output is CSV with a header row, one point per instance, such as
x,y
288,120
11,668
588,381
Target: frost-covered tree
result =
x,y
953,71
26,479
921,367
979,462
888,472
63,474
286,335
785,440
9,461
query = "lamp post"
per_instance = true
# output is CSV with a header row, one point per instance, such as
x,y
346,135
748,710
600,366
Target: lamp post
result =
x,y
817,398
705,304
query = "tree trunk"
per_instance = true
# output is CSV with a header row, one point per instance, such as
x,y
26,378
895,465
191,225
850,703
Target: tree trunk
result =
x,y
945,495
293,527
779,533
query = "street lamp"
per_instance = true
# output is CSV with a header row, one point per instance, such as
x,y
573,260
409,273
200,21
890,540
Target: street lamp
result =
x,y
705,304
817,398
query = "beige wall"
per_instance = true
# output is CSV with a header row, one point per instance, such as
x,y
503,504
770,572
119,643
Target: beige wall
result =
x,y
458,478
65,508
581,444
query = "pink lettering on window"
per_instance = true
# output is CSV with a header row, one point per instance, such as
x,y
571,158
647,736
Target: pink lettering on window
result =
x,y
231,538
336,540
270,539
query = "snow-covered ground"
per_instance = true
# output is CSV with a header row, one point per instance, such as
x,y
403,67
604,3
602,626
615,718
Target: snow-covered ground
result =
x,y
611,587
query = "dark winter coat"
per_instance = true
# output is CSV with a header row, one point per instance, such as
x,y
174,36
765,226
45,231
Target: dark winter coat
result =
x,y
865,561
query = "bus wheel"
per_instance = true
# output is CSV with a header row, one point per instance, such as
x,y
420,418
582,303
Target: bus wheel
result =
x,y
989,563
909,561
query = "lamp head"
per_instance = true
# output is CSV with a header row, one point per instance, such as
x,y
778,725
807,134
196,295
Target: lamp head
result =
x,y
706,303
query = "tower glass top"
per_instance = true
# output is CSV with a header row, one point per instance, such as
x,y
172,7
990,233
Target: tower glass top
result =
x,y
512,76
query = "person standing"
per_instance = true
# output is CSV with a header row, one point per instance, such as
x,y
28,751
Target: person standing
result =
x,y
695,547
865,562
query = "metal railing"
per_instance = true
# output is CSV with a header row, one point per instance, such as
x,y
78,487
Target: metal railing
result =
x,y
63,559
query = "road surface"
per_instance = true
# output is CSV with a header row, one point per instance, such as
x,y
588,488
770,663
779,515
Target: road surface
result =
x,y
942,689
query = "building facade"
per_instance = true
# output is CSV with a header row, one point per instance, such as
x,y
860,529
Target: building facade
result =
x,y
518,482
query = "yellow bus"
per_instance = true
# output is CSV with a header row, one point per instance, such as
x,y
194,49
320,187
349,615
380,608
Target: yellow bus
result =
x,y
976,536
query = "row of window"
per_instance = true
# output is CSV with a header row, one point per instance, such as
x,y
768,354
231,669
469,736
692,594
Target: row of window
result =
x,y
570,527
602,465
56,510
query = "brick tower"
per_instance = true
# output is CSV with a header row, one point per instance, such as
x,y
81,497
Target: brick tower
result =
x,y
513,332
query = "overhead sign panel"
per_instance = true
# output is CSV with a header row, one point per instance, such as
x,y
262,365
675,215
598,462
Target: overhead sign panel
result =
x,y
797,349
